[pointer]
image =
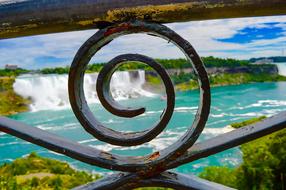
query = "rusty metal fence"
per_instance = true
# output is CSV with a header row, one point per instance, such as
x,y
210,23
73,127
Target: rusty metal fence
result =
x,y
116,18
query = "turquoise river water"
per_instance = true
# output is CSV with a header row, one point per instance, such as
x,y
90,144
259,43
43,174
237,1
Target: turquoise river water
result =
x,y
229,104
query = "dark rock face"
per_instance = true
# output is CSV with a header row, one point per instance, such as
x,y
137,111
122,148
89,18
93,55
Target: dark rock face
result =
x,y
253,69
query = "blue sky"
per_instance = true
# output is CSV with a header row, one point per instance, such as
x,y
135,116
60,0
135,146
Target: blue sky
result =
x,y
242,38
250,34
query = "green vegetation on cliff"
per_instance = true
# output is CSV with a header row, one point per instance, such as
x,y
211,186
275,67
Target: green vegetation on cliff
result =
x,y
166,63
10,102
12,73
38,173
225,79
219,62
56,70
263,167
247,122
240,72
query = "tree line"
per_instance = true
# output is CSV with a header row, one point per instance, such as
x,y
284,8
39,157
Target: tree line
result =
x,y
166,63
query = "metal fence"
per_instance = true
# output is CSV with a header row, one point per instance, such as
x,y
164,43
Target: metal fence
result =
x,y
116,18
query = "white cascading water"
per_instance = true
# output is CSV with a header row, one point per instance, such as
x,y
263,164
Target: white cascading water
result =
x,y
281,68
51,91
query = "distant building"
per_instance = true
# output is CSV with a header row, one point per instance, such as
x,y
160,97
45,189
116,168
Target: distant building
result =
x,y
11,67
263,61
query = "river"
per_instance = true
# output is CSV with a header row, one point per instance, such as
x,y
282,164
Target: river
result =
x,y
50,111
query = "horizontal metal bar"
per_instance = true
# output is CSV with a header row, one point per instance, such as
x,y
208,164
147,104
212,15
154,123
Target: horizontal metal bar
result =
x,y
32,17
232,139
124,181
55,143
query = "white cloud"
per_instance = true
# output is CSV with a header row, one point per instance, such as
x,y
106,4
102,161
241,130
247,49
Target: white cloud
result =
x,y
203,35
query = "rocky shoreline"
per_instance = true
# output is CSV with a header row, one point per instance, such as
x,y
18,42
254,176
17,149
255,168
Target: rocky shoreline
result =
x,y
252,69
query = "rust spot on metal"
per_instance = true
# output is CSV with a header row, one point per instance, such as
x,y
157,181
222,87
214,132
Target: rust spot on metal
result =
x,y
120,28
154,156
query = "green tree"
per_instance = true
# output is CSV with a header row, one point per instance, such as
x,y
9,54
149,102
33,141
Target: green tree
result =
x,y
263,166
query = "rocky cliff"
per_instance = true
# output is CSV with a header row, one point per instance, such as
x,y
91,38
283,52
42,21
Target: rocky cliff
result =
x,y
251,69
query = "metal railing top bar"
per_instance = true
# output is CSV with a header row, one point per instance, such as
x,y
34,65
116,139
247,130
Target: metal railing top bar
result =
x,y
32,17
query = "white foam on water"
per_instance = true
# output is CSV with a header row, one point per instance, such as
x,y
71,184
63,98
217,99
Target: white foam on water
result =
x,y
200,165
58,127
55,153
7,160
267,103
216,115
217,131
261,103
109,121
50,92
172,132
13,143
152,112
216,122
162,143
109,147
250,114
272,103
271,112
156,144
231,160
186,109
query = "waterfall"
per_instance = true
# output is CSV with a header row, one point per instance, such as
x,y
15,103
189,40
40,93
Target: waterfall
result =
x,y
281,68
51,91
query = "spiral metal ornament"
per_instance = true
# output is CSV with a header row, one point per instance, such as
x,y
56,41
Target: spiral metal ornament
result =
x,y
105,97
153,163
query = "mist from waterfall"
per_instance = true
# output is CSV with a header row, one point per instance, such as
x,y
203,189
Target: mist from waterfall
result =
x,y
281,68
51,91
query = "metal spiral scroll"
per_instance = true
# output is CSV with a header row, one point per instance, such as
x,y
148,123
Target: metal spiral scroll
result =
x,y
144,165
